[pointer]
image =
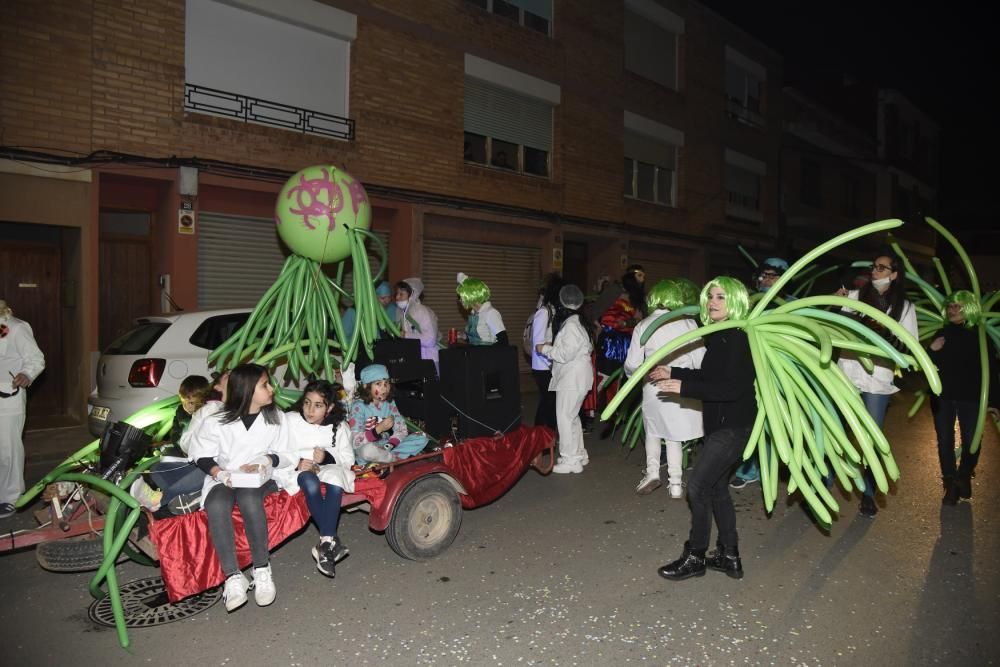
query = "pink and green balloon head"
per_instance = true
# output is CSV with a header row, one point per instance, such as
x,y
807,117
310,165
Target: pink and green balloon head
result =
x,y
316,208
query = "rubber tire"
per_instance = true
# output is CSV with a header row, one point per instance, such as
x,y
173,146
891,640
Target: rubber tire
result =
x,y
71,555
426,519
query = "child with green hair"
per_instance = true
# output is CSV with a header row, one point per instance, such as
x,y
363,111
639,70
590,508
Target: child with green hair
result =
x,y
955,351
485,325
670,418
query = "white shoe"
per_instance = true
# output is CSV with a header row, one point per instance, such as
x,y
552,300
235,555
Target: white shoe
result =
x,y
647,485
562,467
585,460
264,591
235,592
145,495
676,491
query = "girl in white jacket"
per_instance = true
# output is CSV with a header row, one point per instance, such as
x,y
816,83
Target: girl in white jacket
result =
x,y
666,416
246,435
572,377
320,455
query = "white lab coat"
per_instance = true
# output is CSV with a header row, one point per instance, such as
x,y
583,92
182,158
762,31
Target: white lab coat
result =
x,y
233,445
572,367
303,437
880,380
19,353
667,416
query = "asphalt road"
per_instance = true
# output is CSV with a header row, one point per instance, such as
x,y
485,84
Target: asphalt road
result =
x,y
562,571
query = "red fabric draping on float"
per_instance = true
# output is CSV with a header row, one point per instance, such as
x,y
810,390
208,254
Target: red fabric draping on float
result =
x,y
487,467
188,562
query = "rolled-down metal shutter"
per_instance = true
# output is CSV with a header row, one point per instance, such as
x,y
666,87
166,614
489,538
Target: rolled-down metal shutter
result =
x,y
240,257
512,273
659,262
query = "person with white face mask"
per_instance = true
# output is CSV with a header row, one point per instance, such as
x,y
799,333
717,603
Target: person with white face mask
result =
x,y
886,291
415,319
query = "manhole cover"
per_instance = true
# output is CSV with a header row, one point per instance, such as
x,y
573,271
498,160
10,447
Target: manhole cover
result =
x,y
145,604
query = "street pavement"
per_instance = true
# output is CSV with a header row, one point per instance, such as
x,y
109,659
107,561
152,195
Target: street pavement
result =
x,y
562,571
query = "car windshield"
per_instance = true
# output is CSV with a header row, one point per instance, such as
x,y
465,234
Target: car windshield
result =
x,y
139,339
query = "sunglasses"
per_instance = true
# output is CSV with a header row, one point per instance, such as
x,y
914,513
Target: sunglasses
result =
x,y
4,394
880,267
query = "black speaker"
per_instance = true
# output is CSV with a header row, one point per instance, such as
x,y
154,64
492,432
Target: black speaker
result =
x,y
401,356
419,398
121,446
481,385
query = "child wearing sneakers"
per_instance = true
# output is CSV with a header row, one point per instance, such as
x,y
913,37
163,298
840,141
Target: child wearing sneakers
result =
x,y
667,417
246,435
319,443
378,431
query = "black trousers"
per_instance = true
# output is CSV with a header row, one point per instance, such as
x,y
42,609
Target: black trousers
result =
x,y
945,412
708,488
545,414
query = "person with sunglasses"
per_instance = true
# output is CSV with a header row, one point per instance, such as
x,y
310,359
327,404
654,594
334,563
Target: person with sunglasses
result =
x,y
886,291
21,361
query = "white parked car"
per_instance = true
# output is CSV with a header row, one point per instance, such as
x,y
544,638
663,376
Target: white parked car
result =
x,y
149,362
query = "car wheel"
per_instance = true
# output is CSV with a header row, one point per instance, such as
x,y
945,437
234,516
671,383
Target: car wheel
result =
x,y
426,519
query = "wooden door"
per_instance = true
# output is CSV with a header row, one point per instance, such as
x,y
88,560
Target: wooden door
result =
x,y
30,282
125,285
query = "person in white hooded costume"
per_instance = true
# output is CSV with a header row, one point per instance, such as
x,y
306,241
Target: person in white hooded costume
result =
x,y
415,319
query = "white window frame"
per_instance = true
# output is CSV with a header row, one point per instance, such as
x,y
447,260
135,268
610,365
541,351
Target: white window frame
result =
x,y
751,71
660,133
666,21
734,200
520,15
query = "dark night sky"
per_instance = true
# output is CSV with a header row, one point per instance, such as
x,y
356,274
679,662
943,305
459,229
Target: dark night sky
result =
x,y
943,59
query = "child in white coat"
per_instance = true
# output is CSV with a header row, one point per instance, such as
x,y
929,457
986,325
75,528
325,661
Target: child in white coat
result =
x,y
666,416
246,435
319,445
572,377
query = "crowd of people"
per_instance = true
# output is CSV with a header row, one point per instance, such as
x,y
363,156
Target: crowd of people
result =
x,y
230,428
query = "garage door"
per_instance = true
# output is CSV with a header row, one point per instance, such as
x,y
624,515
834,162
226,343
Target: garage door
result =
x,y
659,262
512,273
239,257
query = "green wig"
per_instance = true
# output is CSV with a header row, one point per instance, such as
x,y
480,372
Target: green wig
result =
x,y
473,292
671,294
737,299
972,311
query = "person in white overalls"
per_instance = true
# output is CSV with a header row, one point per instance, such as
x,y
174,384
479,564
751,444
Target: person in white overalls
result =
x,y
666,417
21,361
572,377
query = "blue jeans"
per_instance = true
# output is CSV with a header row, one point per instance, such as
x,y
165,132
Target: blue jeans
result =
x,y
877,405
325,511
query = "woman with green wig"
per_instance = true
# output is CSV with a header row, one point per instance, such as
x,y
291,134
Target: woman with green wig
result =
x,y
955,351
725,386
485,325
670,418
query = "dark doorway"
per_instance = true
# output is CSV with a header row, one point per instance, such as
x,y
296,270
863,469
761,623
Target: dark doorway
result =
x,y
575,260
30,282
125,277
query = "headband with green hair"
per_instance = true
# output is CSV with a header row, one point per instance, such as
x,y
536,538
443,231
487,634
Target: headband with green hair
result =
x,y
737,299
473,292
972,312
671,294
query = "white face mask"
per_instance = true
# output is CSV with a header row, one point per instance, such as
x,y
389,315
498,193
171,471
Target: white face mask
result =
x,y
881,283
402,304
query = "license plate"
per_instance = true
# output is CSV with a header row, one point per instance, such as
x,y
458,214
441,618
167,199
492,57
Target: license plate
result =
x,y
100,413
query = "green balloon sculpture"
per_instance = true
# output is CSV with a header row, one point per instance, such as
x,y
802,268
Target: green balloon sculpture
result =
x,y
323,215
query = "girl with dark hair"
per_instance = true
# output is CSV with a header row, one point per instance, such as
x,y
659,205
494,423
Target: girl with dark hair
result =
x,y
541,366
886,291
246,435
617,323
321,456
378,430
572,376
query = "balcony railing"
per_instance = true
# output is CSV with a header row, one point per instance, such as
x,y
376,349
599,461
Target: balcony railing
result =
x,y
254,110
736,110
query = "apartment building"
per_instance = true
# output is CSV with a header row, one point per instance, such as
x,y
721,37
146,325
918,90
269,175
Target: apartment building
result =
x,y
144,144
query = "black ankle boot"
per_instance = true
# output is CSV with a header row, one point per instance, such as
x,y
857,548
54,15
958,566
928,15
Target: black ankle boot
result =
x,y
726,559
963,483
869,508
690,564
950,491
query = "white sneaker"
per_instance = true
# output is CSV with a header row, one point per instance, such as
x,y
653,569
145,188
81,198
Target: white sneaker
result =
x,y
562,467
676,491
145,495
264,591
235,592
647,485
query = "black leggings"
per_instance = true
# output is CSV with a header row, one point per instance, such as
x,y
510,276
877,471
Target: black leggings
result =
x,y
708,488
219,507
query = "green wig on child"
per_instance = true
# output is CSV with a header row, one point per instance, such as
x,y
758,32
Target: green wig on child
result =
x,y
473,292
972,311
